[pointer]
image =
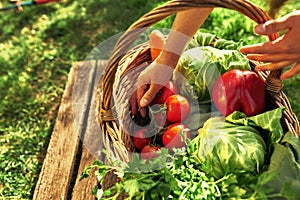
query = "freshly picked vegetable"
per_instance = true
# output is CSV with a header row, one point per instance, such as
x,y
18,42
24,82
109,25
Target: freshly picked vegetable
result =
x,y
177,108
282,162
225,148
176,136
239,90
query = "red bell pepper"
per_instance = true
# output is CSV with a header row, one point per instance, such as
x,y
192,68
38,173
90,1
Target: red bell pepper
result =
x,y
239,90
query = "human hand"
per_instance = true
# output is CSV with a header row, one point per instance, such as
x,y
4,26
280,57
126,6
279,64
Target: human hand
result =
x,y
150,81
281,52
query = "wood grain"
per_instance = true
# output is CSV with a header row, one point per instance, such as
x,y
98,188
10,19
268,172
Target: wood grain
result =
x,y
70,126
92,145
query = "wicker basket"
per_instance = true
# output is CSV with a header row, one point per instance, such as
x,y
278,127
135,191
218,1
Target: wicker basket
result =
x,y
126,63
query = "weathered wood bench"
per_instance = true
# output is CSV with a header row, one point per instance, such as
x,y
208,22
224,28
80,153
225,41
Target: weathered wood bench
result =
x,y
75,132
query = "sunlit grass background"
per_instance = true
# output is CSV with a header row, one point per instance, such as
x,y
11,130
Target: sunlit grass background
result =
x,y
37,48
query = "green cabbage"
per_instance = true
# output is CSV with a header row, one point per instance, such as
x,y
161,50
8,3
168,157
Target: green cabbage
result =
x,y
222,148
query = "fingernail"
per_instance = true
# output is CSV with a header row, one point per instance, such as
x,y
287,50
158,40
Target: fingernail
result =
x,y
144,102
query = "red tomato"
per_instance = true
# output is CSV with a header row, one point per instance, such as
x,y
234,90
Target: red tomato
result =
x,y
140,139
168,90
174,136
150,152
178,108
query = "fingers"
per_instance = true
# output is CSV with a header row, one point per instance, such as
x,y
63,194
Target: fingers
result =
x,y
145,96
150,94
273,66
272,57
256,48
282,52
272,26
291,72
263,48
139,94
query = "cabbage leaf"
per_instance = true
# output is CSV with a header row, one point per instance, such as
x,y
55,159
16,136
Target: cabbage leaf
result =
x,y
268,121
222,148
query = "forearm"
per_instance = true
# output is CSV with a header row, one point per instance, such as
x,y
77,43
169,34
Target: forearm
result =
x,y
184,28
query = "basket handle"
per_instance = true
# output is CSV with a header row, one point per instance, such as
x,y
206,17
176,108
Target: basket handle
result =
x,y
172,7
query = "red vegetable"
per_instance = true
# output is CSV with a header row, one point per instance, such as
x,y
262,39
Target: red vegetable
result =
x,y
168,90
239,90
174,136
178,108
150,152
140,139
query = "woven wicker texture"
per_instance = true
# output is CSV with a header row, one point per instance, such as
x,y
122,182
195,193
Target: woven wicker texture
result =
x,y
125,65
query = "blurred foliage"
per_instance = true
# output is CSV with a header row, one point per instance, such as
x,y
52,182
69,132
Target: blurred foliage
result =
x,y
37,48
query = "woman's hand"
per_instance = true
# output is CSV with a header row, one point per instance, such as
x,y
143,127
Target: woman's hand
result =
x,y
281,52
150,81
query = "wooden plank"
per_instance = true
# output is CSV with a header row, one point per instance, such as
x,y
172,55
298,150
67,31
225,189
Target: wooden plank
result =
x,y
57,169
92,145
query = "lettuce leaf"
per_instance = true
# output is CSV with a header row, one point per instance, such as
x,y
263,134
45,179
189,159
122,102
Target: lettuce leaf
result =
x,y
285,164
268,122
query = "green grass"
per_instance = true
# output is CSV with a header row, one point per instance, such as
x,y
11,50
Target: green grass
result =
x,y
37,48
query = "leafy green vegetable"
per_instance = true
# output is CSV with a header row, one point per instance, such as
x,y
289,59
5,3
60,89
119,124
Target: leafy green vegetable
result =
x,y
293,144
202,38
268,121
223,148
284,152
285,164
176,178
179,177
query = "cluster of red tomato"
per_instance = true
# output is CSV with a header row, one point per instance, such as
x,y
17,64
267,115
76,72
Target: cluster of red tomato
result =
x,y
174,109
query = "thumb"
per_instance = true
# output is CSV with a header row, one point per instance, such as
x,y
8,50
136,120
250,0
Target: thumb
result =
x,y
150,94
272,26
